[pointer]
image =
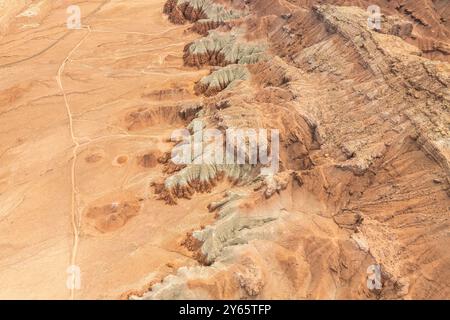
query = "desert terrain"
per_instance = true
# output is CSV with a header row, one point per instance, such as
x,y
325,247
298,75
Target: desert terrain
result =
x,y
93,207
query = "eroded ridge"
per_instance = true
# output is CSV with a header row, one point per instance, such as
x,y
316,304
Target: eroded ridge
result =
x,y
366,113
205,14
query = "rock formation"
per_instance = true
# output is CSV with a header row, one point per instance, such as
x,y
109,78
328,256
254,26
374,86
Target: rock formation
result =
x,y
205,14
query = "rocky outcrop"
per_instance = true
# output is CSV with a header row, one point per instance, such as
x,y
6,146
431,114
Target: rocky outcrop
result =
x,y
363,175
221,49
356,173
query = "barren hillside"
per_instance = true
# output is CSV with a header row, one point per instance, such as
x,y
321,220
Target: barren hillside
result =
x,y
87,182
